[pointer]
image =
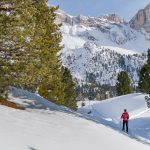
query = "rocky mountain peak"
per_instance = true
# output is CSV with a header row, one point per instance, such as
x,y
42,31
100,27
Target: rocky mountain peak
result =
x,y
112,18
88,21
142,19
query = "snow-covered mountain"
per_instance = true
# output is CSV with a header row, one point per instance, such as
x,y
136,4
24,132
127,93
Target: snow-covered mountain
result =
x,y
102,46
44,125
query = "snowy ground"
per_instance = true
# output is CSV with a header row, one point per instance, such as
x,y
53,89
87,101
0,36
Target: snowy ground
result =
x,y
46,126
109,112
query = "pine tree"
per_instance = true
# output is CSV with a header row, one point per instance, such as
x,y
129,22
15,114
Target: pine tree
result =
x,y
123,84
49,68
30,41
3,59
8,41
41,69
70,98
144,76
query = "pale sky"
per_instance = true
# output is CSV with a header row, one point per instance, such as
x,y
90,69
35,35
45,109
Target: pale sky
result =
x,y
124,8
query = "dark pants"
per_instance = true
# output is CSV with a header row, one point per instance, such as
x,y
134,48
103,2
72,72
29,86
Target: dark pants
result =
x,y
125,123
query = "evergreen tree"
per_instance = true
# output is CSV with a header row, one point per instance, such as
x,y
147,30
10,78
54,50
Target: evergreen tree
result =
x,y
144,76
123,84
29,44
50,74
41,64
3,59
13,36
70,98
30,41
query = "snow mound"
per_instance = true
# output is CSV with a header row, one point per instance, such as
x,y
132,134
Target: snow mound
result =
x,y
109,113
44,129
113,107
32,100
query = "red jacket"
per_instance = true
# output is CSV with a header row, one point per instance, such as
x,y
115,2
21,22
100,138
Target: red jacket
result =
x,y
125,116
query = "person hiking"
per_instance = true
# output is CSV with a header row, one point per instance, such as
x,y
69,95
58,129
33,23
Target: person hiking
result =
x,y
125,118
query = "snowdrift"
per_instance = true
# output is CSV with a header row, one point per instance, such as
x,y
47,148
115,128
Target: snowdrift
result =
x,y
44,126
109,112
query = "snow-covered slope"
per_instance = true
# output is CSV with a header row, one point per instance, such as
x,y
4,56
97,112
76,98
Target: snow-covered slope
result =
x,y
109,113
107,38
104,62
108,34
46,126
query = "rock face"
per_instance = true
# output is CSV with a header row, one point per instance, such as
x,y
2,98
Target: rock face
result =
x,y
87,21
142,19
113,18
62,17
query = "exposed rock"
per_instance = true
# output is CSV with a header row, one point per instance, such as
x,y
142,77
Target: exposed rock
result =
x,y
87,21
63,17
142,19
112,18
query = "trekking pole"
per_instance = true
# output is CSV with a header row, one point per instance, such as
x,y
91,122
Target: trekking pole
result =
x,y
128,127
120,124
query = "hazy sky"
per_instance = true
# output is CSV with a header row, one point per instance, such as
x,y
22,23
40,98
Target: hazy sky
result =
x,y
124,8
